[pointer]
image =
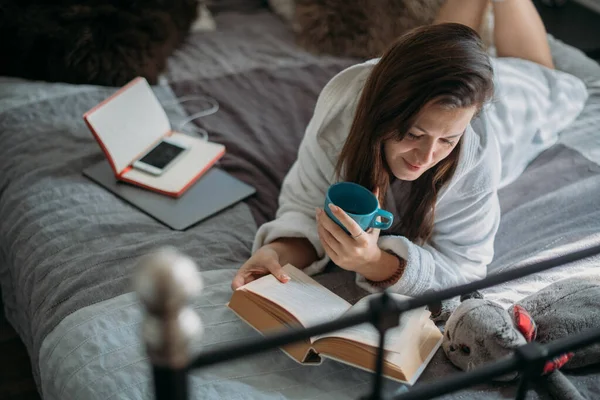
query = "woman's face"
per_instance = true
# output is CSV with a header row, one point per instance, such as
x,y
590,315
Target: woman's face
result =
x,y
432,138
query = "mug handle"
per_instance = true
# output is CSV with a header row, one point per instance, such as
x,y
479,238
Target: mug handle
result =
x,y
384,214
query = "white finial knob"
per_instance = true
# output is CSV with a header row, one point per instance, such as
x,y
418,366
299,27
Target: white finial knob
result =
x,y
166,283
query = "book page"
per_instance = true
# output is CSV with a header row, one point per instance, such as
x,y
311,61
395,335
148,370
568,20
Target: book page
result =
x,y
128,122
430,341
302,296
410,321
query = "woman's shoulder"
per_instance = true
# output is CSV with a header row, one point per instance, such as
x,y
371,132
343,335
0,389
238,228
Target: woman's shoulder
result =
x,y
351,75
336,107
480,164
345,86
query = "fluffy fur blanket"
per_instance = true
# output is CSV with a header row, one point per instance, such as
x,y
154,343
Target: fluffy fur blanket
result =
x,y
362,29
91,41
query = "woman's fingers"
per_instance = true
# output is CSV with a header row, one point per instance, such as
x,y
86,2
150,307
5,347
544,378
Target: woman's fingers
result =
x,y
334,229
332,253
356,232
240,279
345,219
274,268
332,246
254,269
336,233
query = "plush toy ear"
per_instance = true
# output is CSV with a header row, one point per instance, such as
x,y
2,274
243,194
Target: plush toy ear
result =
x,y
507,336
524,323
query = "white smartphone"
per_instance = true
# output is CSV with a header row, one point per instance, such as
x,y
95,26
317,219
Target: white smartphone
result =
x,y
160,157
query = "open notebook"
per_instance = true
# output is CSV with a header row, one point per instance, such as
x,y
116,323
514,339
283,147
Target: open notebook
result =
x,y
129,123
269,305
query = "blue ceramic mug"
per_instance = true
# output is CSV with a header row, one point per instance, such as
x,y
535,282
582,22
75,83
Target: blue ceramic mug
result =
x,y
359,203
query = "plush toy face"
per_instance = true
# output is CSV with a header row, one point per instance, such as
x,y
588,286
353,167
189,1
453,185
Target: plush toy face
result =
x,y
478,332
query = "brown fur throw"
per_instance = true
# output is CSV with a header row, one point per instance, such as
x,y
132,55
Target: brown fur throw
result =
x,y
91,41
358,28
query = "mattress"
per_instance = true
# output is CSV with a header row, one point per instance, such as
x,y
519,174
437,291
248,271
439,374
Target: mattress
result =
x,y
68,248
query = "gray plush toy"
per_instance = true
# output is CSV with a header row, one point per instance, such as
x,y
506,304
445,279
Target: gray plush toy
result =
x,y
480,331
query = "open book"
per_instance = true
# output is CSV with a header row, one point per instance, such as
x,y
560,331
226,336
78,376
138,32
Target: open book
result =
x,y
269,305
130,123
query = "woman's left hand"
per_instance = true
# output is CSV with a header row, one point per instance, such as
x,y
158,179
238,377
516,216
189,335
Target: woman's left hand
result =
x,y
351,252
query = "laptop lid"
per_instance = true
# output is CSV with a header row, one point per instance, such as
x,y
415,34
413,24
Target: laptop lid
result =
x,y
212,193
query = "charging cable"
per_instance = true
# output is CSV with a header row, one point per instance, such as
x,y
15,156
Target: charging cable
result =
x,y
214,107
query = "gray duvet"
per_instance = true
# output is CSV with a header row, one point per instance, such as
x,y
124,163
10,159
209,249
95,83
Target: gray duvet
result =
x,y
67,247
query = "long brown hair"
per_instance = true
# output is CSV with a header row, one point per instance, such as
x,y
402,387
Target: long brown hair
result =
x,y
443,64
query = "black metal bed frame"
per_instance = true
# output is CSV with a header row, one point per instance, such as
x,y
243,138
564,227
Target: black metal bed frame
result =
x,y
166,338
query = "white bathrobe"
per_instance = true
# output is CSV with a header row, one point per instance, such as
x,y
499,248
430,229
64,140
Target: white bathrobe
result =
x,y
531,106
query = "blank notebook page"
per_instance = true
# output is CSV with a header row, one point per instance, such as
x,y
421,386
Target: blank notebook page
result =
x,y
129,122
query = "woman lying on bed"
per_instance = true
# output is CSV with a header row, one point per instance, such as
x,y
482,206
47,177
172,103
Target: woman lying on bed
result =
x,y
439,114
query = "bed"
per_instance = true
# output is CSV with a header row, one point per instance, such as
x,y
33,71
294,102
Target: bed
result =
x,y
68,247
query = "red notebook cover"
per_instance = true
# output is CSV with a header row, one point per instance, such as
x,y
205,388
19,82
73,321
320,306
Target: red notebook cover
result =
x,y
129,123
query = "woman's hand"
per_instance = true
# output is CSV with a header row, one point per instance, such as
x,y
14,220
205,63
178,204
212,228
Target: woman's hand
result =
x,y
264,261
353,252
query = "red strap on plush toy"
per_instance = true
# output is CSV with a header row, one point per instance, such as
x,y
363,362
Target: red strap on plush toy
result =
x,y
526,325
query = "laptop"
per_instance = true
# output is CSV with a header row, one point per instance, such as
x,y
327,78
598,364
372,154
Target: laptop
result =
x,y
212,193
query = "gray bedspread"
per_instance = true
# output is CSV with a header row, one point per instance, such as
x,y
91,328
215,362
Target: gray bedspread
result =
x,y
67,243
67,247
